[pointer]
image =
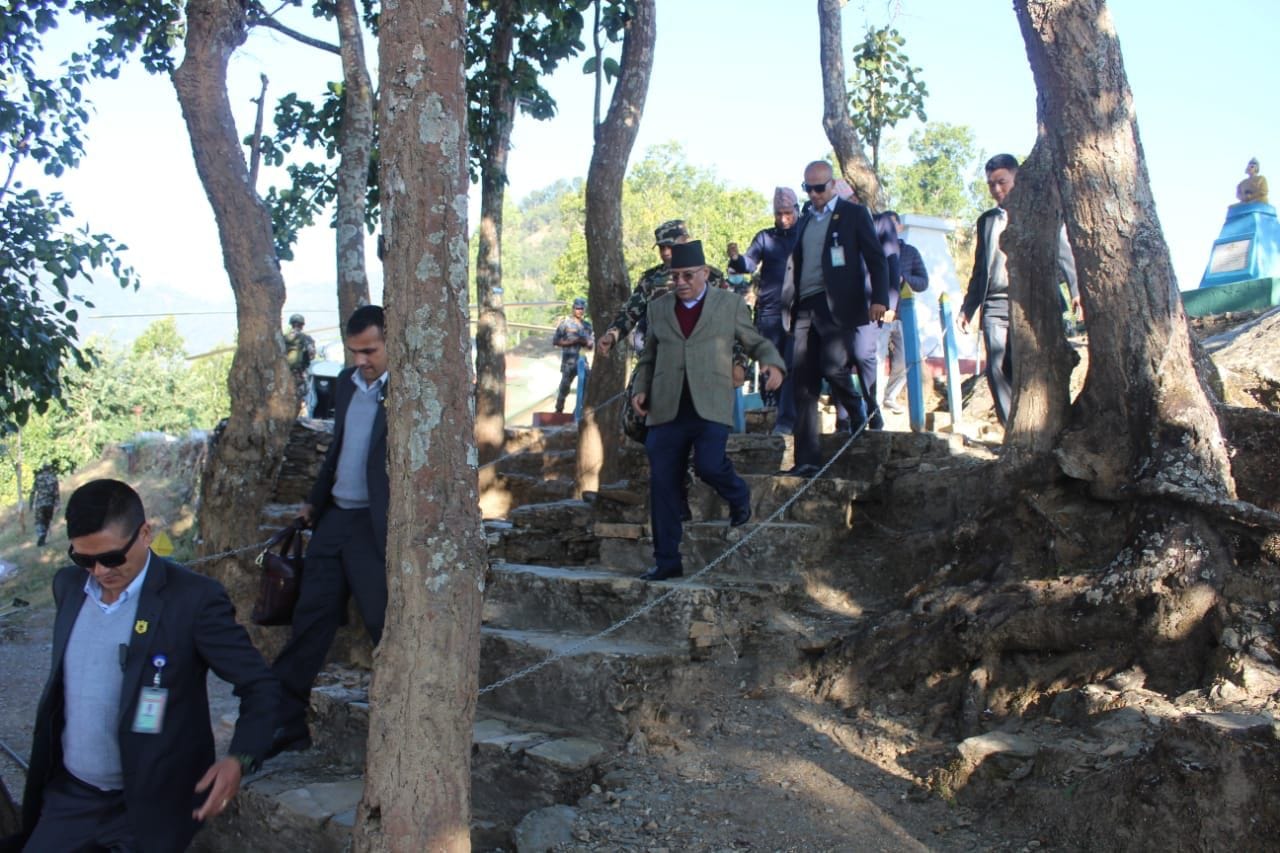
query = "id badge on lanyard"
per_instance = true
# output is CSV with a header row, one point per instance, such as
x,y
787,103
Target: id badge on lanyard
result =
x,y
149,719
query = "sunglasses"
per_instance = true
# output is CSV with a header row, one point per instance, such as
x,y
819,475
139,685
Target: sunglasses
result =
x,y
107,559
684,275
817,188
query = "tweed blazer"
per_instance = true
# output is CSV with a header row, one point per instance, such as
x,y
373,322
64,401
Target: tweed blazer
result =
x,y
704,360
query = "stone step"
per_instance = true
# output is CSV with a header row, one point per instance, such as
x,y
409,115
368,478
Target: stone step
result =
x,y
828,501
541,438
510,491
590,599
539,463
601,690
777,552
307,800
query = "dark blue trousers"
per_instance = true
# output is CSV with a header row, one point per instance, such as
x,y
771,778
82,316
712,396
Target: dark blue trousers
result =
x,y
342,559
79,817
823,351
669,446
771,327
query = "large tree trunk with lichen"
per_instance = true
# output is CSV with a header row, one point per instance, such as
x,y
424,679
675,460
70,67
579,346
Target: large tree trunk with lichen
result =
x,y
241,470
491,326
599,432
1122,567
423,696
1143,414
852,160
356,144
1042,358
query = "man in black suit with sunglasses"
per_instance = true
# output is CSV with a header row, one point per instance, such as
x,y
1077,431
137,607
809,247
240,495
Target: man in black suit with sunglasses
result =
x,y
122,757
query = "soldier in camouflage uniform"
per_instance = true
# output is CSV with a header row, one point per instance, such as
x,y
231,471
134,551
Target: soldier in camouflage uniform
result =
x,y
654,282
572,336
44,500
299,352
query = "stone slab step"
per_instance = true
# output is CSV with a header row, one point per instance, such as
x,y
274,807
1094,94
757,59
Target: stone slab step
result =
x,y
590,599
541,438
539,462
778,551
307,800
508,491
599,690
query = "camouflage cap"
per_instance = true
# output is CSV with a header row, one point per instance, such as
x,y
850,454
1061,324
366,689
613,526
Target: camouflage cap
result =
x,y
670,233
297,320
579,303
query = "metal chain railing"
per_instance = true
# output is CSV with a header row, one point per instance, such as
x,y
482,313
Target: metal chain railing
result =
x,y
567,651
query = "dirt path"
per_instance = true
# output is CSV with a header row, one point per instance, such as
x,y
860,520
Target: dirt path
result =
x,y
25,645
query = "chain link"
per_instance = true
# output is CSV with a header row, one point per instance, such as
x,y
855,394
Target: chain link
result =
x,y
627,620
229,553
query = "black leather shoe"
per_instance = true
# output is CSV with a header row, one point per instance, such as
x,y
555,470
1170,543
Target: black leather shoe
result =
x,y
805,470
288,740
658,573
739,515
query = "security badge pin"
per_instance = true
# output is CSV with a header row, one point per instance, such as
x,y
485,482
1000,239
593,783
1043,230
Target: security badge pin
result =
x,y
149,719
141,626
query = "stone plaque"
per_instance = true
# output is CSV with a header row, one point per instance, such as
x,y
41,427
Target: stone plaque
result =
x,y
1229,257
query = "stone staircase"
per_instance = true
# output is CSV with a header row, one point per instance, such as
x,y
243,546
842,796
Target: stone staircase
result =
x,y
562,571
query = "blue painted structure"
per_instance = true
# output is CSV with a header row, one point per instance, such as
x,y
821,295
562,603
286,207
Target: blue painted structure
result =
x,y
951,354
911,350
1247,248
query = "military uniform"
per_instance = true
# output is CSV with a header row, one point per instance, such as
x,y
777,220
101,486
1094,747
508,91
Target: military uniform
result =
x,y
299,352
572,336
44,500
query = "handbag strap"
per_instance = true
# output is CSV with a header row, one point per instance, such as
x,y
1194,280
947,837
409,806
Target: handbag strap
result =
x,y
285,537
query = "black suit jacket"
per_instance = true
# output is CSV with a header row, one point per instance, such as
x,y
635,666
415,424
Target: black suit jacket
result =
x,y
975,296
321,497
865,267
189,619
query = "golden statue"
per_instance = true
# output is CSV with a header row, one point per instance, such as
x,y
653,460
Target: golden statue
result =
x,y
1254,187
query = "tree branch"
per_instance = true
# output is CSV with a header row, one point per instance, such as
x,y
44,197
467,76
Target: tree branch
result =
x,y
259,17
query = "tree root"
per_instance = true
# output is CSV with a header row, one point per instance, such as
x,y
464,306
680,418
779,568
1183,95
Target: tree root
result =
x,y
1241,512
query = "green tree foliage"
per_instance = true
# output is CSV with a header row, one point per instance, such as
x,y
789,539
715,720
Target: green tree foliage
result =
x,y
152,386
42,253
942,176
884,88
664,185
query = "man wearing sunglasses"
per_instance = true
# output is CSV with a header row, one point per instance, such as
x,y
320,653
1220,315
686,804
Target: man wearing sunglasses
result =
x,y
684,387
123,757
837,264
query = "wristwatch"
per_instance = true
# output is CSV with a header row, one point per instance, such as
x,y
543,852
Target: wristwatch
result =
x,y
248,764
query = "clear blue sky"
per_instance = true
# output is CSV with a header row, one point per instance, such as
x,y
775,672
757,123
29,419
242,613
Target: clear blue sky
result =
x,y
737,83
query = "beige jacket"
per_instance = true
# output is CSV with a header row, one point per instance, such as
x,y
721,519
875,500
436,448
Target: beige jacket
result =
x,y
704,360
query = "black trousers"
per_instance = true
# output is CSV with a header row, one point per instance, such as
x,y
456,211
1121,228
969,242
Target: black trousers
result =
x,y
342,559
80,818
822,351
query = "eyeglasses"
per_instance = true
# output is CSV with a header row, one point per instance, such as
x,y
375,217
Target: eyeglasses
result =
x,y
107,559
817,188
684,275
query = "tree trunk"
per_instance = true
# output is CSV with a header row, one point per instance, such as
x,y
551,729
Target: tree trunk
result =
x,y
241,472
853,162
1042,358
423,695
599,432
355,140
491,328
1143,413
